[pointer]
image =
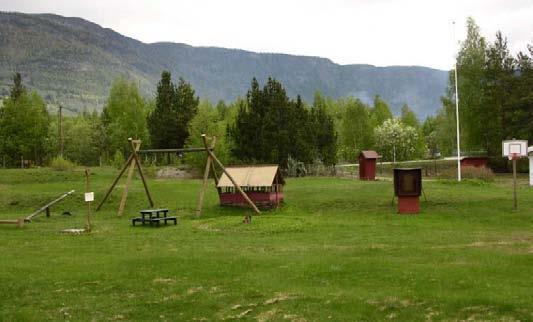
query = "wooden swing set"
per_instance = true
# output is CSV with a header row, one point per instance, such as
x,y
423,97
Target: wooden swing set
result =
x,y
132,162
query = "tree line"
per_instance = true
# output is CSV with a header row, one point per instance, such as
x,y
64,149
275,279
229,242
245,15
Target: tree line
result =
x,y
267,126
495,98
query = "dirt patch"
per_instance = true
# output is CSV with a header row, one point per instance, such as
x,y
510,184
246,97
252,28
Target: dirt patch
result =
x,y
267,315
278,298
173,173
160,280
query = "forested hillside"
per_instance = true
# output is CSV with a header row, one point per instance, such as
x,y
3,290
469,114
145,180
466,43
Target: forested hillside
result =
x,y
73,61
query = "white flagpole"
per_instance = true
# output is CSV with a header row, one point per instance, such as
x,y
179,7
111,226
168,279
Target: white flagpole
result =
x,y
457,114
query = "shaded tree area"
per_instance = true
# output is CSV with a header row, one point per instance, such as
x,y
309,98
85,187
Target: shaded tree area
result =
x,y
24,123
271,128
123,117
495,97
175,107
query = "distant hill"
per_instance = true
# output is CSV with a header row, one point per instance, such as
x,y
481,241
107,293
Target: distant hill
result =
x,y
74,61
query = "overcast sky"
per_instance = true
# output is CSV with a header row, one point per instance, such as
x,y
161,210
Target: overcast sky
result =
x,y
378,32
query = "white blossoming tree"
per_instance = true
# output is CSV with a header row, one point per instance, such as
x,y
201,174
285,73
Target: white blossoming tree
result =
x,y
396,141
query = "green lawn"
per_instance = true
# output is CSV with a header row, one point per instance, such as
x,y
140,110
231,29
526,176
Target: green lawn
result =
x,y
335,251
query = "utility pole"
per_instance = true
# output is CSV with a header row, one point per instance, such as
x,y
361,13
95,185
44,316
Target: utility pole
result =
x,y
457,114
60,131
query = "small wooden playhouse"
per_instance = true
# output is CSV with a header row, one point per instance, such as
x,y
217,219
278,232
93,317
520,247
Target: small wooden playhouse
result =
x,y
263,184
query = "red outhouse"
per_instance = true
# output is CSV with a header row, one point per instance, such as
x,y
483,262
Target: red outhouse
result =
x,y
478,162
262,184
367,165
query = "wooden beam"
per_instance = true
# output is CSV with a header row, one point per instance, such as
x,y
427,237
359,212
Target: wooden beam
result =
x,y
139,168
45,207
184,150
208,166
244,195
136,145
126,164
19,222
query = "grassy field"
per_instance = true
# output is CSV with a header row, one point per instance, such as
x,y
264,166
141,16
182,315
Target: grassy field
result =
x,y
336,251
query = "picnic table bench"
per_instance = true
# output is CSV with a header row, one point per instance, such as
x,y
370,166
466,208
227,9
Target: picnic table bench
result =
x,y
154,216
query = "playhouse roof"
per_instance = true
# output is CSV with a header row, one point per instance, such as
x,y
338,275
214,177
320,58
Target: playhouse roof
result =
x,y
369,154
251,176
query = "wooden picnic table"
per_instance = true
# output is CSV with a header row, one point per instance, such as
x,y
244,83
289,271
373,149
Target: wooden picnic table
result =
x,y
154,216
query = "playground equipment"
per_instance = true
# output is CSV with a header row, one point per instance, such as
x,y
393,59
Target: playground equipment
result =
x,y
46,209
514,150
19,222
89,198
132,162
210,158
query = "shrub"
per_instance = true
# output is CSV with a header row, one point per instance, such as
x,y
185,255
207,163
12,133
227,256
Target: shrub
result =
x,y
118,160
61,164
469,172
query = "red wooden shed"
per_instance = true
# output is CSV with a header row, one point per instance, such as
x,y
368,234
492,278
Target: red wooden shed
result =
x,y
263,184
478,162
367,165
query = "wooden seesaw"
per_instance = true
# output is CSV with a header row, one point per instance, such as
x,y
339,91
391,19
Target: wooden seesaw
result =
x,y
46,208
19,221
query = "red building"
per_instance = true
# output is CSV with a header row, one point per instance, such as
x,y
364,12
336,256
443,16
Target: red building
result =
x,y
263,184
478,162
367,165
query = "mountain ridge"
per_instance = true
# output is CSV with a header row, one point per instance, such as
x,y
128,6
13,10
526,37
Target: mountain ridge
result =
x,y
74,61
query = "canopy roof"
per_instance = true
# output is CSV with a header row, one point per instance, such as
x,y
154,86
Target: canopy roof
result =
x,y
251,176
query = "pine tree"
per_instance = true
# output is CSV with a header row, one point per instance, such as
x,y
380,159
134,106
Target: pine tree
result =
x,y
325,134
174,109
270,127
185,105
18,89
497,89
162,120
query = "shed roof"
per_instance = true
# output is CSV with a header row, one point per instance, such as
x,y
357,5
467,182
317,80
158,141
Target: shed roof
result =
x,y
370,154
251,176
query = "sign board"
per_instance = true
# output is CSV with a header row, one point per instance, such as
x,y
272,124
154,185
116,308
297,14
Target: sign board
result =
x,y
518,147
408,182
89,196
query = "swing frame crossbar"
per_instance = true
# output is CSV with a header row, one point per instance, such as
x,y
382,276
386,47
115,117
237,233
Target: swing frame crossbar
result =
x,y
133,162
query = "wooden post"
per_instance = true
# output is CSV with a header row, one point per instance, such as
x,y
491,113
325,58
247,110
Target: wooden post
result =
x,y
47,211
132,158
208,165
19,222
244,195
88,189
515,202
136,145
126,164
277,188
139,168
